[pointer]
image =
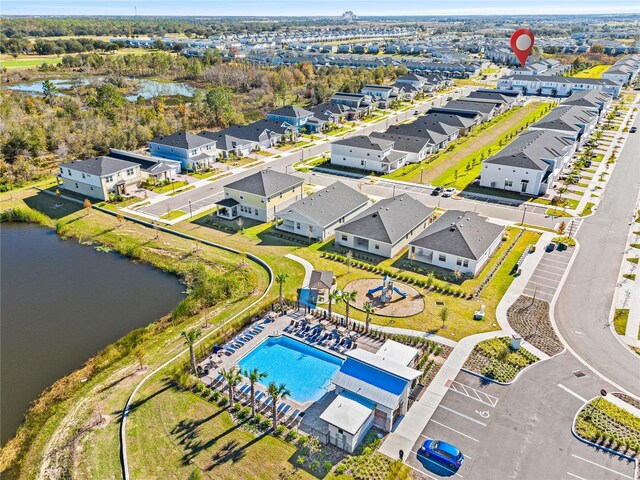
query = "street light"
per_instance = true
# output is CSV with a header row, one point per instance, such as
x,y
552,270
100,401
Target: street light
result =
x,y
190,212
523,214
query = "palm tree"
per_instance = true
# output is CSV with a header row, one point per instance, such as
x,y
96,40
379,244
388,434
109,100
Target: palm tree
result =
x,y
233,377
444,315
276,392
280,279
190,338
254,376
347,297
334,296
368,309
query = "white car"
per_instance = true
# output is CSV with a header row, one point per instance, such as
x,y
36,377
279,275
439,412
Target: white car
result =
x,y
448,192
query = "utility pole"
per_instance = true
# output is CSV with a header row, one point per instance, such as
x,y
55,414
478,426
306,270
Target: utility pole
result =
x,y
190,212
523,214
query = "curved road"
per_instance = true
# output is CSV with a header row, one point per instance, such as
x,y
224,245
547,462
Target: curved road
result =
x,y
583,307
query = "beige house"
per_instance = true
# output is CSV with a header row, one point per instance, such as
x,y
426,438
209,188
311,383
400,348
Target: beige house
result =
x,y
258,196
100,177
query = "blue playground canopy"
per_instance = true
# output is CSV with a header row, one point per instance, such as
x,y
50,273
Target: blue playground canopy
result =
x,y
308,296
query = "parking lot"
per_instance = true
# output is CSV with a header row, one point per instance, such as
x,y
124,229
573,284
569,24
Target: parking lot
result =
x,y
508,432
548,274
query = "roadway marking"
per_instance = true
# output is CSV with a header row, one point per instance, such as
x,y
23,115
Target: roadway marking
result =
x,y
435,463
601,466
576,476
454,430
463,415
473,394
571,392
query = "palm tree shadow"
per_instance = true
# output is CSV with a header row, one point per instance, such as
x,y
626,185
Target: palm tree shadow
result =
x,y
232,452
188,431
138,403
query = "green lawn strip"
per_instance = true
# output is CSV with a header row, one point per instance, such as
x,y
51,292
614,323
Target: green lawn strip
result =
x,y
29,62
172,215
203,175
620,318
630,276
587,210
494,358
241,161
166,188
185,189
593,72
554,212
606,424
633,260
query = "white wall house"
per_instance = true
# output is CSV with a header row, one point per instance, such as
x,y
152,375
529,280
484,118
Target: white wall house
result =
x,y
416,148
457,241
100,177
193,151
367,153
557,86
570,121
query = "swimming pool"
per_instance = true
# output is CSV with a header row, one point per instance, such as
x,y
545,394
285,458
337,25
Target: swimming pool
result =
x,y
305,370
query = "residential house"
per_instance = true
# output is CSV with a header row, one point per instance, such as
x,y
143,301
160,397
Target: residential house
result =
x,y
317,215
356,105
100,177
195,152
557,86
574,122
590,99
463,121
508,98
382,95
328,113
415,147
385,228
457,241
151,168
439,133
367,153
241,140
293,116
530,164
624,71
488,109
259,195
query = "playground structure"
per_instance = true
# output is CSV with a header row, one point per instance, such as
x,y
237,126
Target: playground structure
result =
x,y
387,290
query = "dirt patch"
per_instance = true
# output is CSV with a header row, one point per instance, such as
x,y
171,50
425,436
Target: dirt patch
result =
x,y
412,304
530,319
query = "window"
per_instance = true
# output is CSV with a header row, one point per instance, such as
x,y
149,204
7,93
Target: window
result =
x,y
109,178
68,172
508,183
442,257
83,176
465,263
377,247
343,238
362,163
297,225
91,188
459,261
129,171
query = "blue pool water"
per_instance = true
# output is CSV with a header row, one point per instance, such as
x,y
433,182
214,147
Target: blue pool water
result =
x,y
305,370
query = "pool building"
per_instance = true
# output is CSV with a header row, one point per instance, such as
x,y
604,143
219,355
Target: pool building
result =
x,y
372,390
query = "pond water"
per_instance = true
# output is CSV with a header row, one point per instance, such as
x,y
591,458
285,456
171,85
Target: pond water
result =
x,y
62,302
145,88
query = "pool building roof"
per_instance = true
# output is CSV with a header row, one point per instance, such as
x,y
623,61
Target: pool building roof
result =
x,y
397,352
348,412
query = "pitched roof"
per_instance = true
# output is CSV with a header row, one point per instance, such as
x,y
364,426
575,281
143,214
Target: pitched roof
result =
x,y
461,119
565,118
326,206
363,141
473,105
184,140
586,98
530,148
265,183
100,166
404,143
291,111
561,79
463,234
348,412
246,134
389,220
321,279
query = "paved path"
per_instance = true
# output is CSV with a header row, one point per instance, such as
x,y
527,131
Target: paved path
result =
x,y
583,310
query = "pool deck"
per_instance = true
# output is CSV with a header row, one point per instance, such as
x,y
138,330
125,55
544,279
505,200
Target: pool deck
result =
x,y
274,328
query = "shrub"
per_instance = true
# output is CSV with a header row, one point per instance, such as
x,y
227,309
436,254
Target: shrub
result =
x,y
301,460
200,387
216,396
244,413
265,424
279,431
302,441
328,466
223,401
341,469
315,466
291,436
258,418
236,407
206,392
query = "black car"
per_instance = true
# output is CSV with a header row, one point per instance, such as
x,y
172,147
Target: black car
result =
x,y
437,191
550,248
633,130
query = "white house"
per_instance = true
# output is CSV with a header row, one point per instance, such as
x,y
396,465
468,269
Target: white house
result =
x,y
570,121
99,177
386,227
530,164
590,99
317,215
367,153
415,147
556,85
457,240
195,152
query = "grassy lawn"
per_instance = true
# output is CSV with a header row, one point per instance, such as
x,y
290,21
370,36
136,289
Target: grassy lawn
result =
x,y
30,61
555,212
620,318
239,161
588,209
338,131
440,168
167,188
203,175
593,72
172,215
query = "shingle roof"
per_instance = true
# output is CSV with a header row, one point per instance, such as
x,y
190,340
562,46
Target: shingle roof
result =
x,y
463,234
184,140
321,279
458,120
363,141
389,220
100,166
291,111
561,79
530,148
265,183
326,206
569,118
473,105
585,98
404,143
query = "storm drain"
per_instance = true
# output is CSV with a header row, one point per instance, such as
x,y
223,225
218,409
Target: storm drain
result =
x,y
578,374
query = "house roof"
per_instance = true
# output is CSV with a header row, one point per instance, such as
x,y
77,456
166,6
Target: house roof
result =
x,y
321,279
228,202
397,352
348,412
326,206
566,118
363,141
148,163
266,183
291,111
472,105
463,234
404,143
184,140
497,96
389,220
459,119
100,166
587,98
531,148
561,79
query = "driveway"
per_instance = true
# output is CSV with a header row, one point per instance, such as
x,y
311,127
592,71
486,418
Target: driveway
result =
x,y
548,274
522,431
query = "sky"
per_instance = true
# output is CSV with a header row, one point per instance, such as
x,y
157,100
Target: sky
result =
x,y
318,7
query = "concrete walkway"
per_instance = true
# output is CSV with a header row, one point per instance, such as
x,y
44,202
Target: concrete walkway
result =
x,y
308,268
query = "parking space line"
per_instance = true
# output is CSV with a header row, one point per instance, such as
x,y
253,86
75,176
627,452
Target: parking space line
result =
x,y
454,430
455,412
576,476
571,392
435,463
489,399
601,466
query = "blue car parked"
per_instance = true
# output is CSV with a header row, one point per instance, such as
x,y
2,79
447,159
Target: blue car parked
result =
x,y
442,452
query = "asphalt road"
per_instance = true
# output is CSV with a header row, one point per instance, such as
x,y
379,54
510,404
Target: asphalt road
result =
x,y
583,307
521,431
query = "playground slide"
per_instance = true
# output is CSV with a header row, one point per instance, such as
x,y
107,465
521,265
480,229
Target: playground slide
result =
x,y
374,290
403,295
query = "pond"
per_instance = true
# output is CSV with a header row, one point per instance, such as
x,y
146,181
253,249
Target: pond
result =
x,y
145,88
63,302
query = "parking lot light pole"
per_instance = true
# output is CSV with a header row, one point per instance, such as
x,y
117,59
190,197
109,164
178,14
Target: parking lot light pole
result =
x,y
190,212
523,214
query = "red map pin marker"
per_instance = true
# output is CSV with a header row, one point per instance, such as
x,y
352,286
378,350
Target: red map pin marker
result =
x,y
522,44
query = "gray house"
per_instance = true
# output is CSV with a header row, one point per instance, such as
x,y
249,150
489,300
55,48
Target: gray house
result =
x,y
193,151
386,227
317,215
462,241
